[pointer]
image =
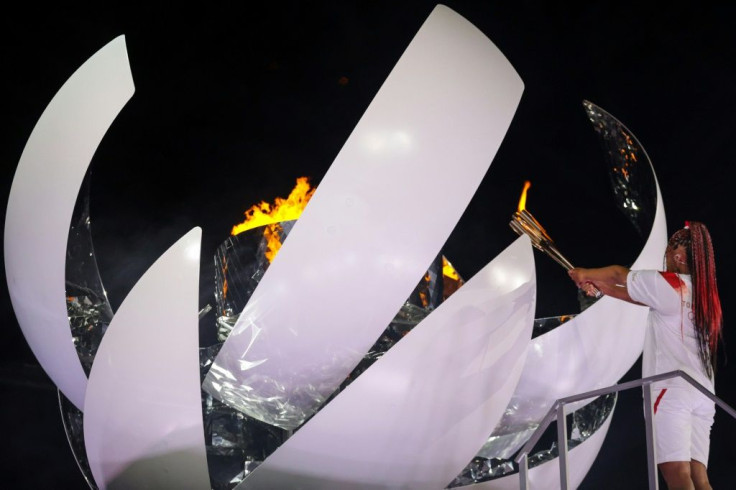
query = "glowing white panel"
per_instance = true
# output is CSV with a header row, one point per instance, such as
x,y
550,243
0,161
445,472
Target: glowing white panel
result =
x,y
418,415
143,414
546,476
593,350
41,202
377,220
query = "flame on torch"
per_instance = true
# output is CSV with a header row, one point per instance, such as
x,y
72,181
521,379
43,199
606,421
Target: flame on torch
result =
x,y
522,199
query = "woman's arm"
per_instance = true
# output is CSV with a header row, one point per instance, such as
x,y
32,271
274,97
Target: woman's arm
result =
x,y
610,280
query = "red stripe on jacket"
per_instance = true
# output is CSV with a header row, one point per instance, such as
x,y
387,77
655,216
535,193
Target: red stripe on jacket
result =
x,y
673,280
659,399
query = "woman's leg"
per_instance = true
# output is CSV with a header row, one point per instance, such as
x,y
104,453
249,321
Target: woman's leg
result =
x,y
699,475
677,475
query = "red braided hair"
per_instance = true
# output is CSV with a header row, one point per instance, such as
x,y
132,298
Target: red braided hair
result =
x,y
708,317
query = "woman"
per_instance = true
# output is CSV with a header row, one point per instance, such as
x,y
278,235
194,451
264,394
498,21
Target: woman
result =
x,y
683,333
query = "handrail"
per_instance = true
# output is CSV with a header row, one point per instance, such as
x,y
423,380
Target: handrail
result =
x,y
558,410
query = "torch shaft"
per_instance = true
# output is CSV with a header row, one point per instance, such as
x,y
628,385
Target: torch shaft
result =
x,y
523,222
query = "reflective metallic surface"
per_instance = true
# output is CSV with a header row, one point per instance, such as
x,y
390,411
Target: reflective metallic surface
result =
x,y
73,420
545,476
142,412
236,444
240,263
45,187
419,413
584,423
86,299
632,180
547,324
362,251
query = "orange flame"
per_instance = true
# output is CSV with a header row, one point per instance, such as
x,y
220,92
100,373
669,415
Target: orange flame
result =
x,y
224,282
282,209
423,294
448,270
522,199
270,215
272,234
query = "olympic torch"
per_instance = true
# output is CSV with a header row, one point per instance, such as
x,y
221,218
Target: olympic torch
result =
x,y
523,222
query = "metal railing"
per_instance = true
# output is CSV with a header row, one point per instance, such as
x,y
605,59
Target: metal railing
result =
x,y
558,411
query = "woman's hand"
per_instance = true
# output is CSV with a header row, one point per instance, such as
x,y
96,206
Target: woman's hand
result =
x,y
578,275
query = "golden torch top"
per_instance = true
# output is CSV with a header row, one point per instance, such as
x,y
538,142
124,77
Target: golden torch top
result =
x,y
523,222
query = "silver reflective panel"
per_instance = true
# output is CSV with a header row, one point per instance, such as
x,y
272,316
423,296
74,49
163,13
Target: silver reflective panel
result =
x,y
90,314
629,169
584,422
86,299
73,421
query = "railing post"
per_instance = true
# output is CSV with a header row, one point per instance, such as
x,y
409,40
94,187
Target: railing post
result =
x,y
558,408
651,448
562,444
524,472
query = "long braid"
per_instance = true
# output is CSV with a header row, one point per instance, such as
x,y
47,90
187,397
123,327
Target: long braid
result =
x,y
708,317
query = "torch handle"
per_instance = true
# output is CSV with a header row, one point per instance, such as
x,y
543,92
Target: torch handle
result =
x,y
596,292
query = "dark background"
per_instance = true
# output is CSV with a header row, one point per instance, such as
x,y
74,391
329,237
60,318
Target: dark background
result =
x,y
232,104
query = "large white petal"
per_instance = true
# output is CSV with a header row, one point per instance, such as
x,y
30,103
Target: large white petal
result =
x,y
379,217
143,411
419,414
45,187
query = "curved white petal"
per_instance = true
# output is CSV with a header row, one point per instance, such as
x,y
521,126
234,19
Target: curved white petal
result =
x,y
593,350
546,476
419,414
42,197
379,217
143,414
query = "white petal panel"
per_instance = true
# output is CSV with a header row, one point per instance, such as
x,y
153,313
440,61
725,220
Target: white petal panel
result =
x,y
593,350
418,415
546,476
377,220
45,187
143,415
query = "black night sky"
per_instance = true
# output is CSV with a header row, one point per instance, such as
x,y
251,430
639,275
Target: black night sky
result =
x,y
233,103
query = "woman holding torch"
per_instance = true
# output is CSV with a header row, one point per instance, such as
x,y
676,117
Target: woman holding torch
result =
x,y
683,331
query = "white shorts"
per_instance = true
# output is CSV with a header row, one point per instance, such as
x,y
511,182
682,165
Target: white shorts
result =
x,y
682,421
